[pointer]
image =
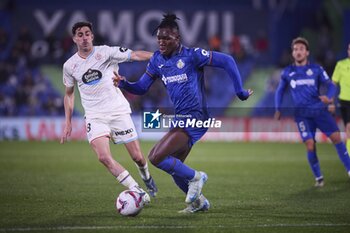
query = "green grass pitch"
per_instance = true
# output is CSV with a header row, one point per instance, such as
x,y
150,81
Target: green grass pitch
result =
x,y
253,187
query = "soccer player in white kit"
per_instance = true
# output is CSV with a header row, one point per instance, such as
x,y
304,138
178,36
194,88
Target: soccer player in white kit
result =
x,y
107,112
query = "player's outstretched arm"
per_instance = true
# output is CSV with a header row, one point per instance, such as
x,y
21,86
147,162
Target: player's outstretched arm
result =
x,y
278,98
229,65
140,55
137,88
68,110
331,90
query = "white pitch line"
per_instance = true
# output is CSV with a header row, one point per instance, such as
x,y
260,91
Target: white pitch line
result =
x,y
63,228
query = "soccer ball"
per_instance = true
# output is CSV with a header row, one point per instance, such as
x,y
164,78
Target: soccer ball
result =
x,y
129,203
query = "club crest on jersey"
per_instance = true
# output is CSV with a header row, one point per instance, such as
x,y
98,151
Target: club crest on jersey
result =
x,y
180,64
92,77
309,72
98,56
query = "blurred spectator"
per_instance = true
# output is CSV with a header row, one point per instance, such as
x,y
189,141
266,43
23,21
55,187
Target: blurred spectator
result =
x,y
324,52
68,47
4,44
236,48
98,39
285,59
215,43
24,41
261,43
246,44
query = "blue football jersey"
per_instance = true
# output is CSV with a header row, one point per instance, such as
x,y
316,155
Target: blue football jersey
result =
x,y
182,75
304,84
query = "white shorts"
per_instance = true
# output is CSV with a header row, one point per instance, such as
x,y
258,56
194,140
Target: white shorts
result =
x,y
119,128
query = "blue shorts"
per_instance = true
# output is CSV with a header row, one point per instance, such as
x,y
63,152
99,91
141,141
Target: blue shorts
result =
x,y
195,134
307,125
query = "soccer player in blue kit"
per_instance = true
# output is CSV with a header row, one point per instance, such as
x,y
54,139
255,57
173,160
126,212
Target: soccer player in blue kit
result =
x,y
182,71
304,79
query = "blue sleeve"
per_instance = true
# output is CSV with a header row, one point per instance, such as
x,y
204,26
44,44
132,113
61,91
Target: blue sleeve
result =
x,y
229,65
331,89
140,87
151,69
201,57
279,93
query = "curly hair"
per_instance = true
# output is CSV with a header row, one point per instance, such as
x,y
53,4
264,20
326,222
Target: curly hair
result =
x,y
168,21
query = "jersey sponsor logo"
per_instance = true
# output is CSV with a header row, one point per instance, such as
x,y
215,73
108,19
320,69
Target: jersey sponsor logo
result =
x,y
181,78
180,64
160,66
124,132
92,77
122,49
308,82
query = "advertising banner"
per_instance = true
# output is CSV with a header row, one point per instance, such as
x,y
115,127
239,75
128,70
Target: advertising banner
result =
x,y
232,129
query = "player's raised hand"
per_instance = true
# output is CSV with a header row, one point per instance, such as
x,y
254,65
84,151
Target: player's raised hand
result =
x,y
66,132
325,99
250,91
117,78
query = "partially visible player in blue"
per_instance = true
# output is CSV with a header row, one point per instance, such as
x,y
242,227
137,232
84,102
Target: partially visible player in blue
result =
x,y
304,80
181,70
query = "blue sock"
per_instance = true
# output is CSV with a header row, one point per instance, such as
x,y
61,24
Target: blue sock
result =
x,y
343,155
181,183
314,164
174,166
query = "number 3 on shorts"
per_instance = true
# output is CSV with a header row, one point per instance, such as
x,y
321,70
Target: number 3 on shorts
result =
x,y
88,127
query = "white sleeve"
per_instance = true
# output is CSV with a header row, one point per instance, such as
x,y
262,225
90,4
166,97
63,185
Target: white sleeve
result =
x,y
120,54
68,80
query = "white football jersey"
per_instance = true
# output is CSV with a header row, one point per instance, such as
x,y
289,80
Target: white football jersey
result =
x,y
93,76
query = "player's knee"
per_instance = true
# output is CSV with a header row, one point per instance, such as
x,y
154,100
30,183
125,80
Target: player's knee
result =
x,y
153,157
310,146
104,158
335,138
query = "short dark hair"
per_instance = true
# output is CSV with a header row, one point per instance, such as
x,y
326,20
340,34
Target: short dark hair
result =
x,y
78,25
168,21
300,40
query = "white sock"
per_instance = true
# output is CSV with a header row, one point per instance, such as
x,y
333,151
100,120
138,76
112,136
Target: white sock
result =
x,y
126,179
144,172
